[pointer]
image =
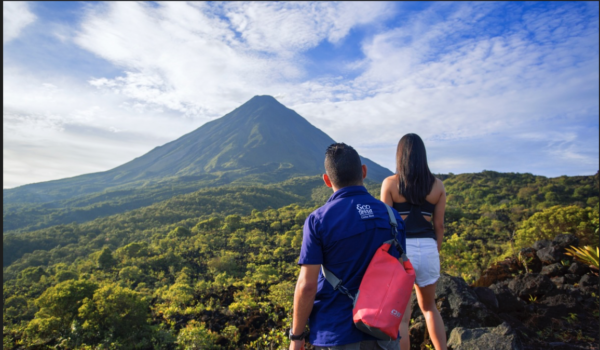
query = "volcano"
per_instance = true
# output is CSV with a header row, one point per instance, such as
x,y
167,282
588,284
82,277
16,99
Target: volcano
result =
x,y
262,141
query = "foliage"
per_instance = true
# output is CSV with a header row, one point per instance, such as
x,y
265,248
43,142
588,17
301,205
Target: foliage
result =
x,y
556,220
59,309
196,336
217,268
115,315
457,258
586,255
105,259
121,229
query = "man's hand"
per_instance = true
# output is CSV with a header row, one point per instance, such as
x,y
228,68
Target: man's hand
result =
x,y
297,345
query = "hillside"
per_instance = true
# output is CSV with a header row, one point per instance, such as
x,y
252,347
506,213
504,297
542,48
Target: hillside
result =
x,y
262,141
217,267
121,229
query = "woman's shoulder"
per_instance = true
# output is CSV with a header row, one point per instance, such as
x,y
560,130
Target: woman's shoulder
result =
x,y
436,192
391,180
439,184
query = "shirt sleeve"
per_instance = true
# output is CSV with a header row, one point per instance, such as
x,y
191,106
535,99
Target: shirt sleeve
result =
x,y
311,252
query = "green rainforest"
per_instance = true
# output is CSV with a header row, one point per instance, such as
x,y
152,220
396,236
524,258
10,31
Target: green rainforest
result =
x,y
215,268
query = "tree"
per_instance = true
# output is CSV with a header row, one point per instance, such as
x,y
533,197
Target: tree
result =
x,y
59,307
301,217
115,315
196,336
557,220
179,294
131,274
225,262
33,274
62,276
232,223
105,259
179,232
133,250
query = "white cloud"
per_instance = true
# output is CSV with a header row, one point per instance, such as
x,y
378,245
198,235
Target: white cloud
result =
x,y
481,87
189,58
477,99
55,127
286,28
15,17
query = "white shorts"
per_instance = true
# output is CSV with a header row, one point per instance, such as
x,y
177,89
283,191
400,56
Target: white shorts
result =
x,y
425,259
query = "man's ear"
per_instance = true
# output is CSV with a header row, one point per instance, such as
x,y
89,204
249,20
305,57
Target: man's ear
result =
x,y
327,180
364,171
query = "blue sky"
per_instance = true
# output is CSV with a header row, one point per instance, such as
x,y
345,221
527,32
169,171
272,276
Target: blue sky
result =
x,y
505,86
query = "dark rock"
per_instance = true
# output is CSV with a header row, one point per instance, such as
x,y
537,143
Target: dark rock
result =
x,y
529,260
498,272
566,240
417,331
553,270
550,255
527,252
487,297
578,268
558,281
544,243
530,284
589,284
459,306
498,338
514,322
569,288
415,310
564,302
500,284
571,278
507,300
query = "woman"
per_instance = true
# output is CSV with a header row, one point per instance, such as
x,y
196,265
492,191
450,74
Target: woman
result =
x,y
420,199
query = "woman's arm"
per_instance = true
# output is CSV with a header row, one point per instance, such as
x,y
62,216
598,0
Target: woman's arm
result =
x,y
438,216
386,195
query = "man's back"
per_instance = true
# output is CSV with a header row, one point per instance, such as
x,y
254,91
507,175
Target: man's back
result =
x,y
343,235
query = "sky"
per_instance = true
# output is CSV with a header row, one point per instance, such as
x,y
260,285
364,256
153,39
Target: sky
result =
x,y
503,86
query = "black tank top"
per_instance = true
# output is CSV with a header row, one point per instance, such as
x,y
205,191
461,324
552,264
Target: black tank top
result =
x,y
416,225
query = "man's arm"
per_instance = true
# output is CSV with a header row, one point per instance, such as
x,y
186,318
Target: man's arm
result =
x,y
304,298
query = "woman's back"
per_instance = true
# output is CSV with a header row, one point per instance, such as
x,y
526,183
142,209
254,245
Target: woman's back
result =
x,y
420,199
390,191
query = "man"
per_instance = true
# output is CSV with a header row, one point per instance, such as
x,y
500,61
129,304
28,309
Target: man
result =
x,y
343,235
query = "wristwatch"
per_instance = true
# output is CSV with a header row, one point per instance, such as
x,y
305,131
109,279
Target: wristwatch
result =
x,y
304,335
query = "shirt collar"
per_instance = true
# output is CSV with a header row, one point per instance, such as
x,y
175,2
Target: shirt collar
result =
x,y
347,192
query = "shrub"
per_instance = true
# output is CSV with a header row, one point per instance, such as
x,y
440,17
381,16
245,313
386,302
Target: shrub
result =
x,y
196,336
556,220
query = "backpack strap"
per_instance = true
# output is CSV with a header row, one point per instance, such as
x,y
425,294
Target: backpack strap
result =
x,y
393,221
336,283
394,224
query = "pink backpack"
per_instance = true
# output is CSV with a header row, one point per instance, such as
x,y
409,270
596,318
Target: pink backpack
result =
x,y
384,291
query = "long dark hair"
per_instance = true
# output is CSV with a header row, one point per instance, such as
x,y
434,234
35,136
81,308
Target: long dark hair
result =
x,y
415,181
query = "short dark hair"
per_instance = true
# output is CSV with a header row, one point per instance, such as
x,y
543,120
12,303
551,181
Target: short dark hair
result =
x,y
343,165
415,180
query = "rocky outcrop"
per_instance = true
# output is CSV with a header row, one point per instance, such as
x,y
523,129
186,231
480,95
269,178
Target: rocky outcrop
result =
x,y
538,300
530,285
497,338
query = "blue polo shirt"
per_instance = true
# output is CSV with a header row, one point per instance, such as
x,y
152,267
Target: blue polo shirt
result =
x,y
343,235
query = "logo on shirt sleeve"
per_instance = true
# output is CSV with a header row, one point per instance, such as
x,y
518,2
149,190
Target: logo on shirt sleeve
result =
x,y
364,211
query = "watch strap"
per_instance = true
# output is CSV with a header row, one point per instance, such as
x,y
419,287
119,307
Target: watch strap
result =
x,y
304,335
